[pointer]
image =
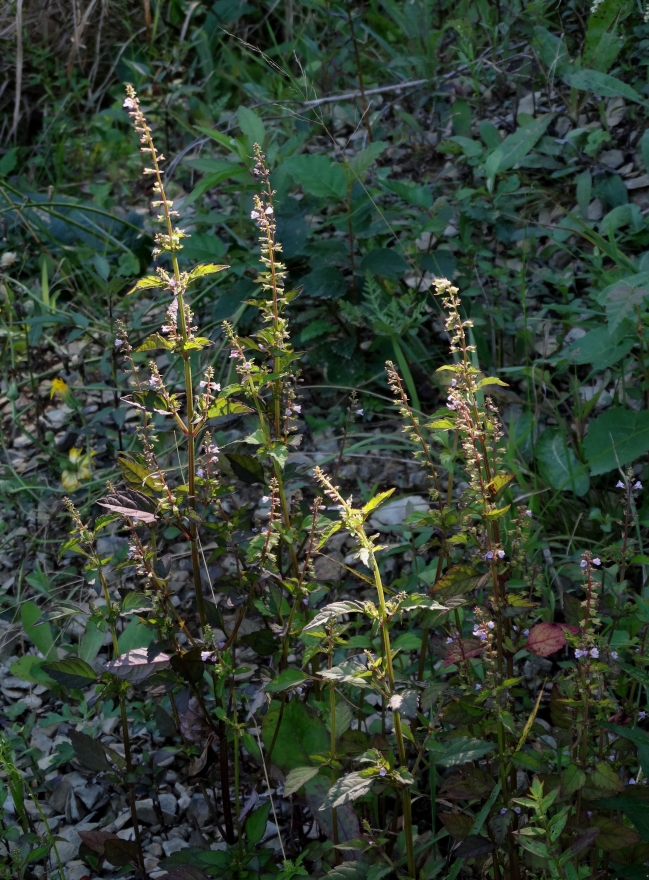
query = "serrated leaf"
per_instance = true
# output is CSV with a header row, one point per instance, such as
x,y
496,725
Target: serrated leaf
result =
x,y
135,474
348,788
156,340
224,406
547,638
204,269
602,782
71,673
350,671
458,825
289,678
246,468
330,612
147,283
121,852
572,780
378,499
456,581
89,752
135,603
297,778
130,504
459,750
613,835
135,666
96,840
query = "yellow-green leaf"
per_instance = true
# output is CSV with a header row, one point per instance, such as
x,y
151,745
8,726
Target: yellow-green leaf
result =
x,y
491,380
224,407
204,269
497,513
378,499
156,340
147,283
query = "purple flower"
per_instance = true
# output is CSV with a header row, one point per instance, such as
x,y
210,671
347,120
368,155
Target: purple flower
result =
x,y
478,687
265,499
526,632
503,811
501,554
119,342
589,813
614,655
234,353
620,485
200,472
359,412
254,215
597,561
637,485
517,810
453,382
594,653
488,555
527,513
383,772
579,653
642,715
490,624
632,781
583,563
449,640
305,601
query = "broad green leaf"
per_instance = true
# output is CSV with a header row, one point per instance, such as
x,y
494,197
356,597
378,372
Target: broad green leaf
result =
x,y
204,269
459,750
252,125
552,51
350,671
615,438
246,468
134,603
147,283
135,636
224,406
330,612
517,145
256,824
89,752
289,678
456,581
318,176
361,162
572,780
297,778
602,782
491,380
71,673
558,463
603,42
599,348
623,297
378,499
301,734
348,788
602,84
613,835
40,635
156,340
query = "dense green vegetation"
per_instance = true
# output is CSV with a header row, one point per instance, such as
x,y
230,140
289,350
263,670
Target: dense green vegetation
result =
x,y
267,607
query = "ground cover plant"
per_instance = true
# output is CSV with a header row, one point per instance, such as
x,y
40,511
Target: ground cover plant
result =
x,y
332,565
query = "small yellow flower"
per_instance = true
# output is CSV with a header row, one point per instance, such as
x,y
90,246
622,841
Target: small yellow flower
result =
x,y
62,389
80,469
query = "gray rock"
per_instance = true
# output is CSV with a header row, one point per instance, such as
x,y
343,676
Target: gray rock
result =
x,y
61,793
91,795
394,512
328,568
199,810
174,845
146,811
68,848
76,869
612,158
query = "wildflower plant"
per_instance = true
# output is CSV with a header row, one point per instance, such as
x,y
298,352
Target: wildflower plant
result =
x,y
400,720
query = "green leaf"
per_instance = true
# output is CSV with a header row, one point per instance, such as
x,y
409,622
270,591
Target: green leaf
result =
x,y
636,809
252,126
622,298
40,635
135,665
317,175
552,51
301,734
599,348
378,499
603,43
613,835
246,468
572,780
644,149
297,778
361,162
459,750
602,84
517,145
71,673
289,678
135,635
558,463
135,602
256,824
615,438
601,782
456,581
92,641
491,380
89,752
350,671
330,612
224,406
147,283
348,788
156,340
204,269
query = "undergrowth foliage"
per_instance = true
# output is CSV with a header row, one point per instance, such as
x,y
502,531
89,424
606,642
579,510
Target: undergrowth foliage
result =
x,y
395,728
